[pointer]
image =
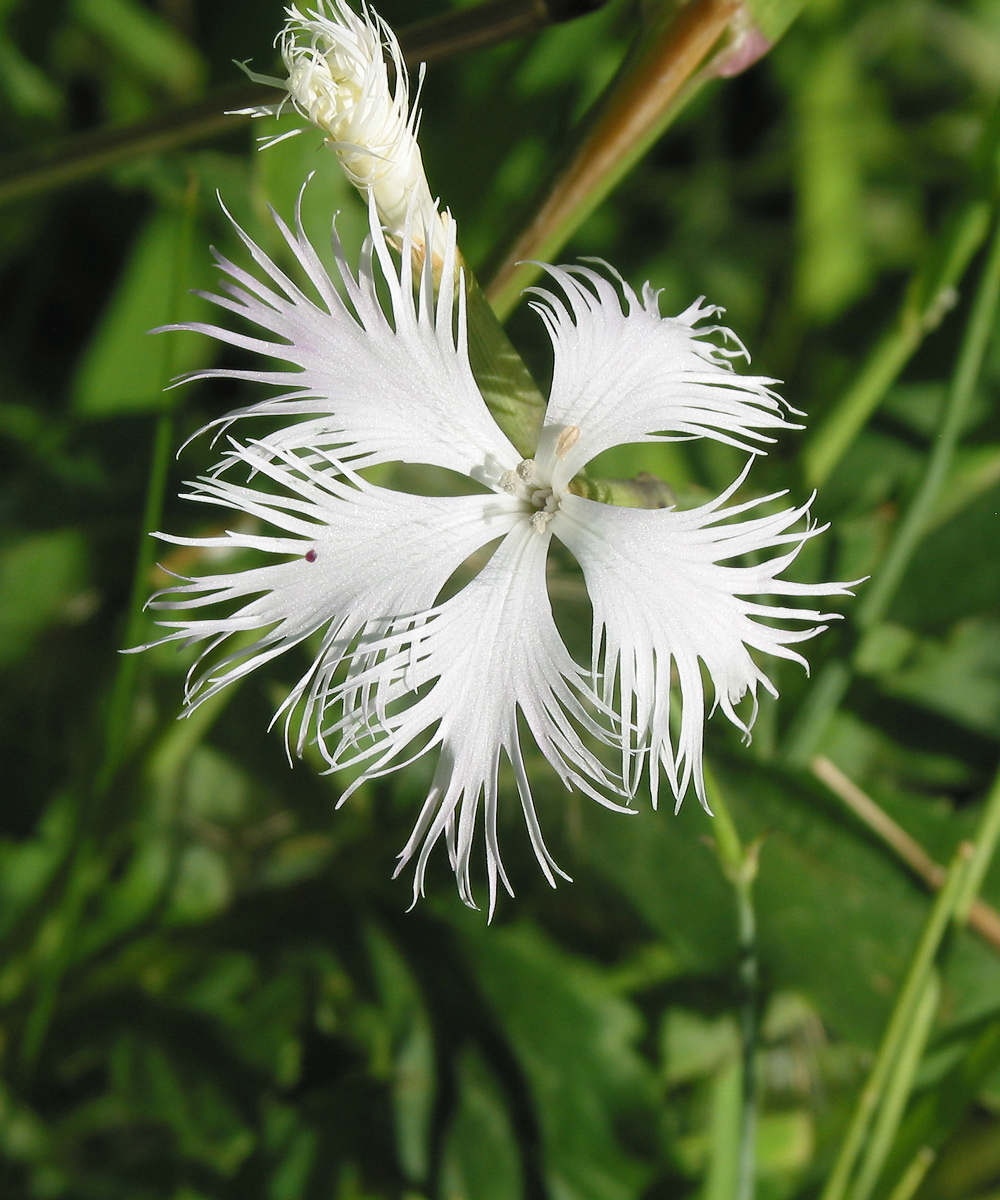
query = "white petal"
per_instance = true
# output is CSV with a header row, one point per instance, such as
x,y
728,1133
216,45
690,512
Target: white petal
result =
x,y
664,600
377,389
468,669
626,374
364,558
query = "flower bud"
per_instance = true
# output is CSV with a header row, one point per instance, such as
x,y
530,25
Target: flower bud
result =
x,y
339,80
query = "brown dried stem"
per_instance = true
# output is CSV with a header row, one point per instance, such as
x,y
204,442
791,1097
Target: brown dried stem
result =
x,y
984,919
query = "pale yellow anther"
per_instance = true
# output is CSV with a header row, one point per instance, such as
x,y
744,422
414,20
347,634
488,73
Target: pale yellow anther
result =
x,y
567,440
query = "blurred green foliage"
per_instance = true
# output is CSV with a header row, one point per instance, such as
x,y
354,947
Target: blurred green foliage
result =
x,y
209,987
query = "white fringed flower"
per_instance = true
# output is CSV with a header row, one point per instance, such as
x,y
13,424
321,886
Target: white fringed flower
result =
x,y
339,80
396,671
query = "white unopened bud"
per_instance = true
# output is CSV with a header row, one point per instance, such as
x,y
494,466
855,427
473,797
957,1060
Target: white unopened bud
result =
x,y
339,80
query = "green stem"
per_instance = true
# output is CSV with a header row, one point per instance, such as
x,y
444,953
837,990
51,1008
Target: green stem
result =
x,y
930,294
983,849
832,684
511,395
739,865
927,299
910,1150
912,994
85,873
914,1174
879,593
898,1088
120,704
86,154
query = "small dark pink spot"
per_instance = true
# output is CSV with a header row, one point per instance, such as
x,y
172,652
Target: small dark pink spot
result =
x,y
310,556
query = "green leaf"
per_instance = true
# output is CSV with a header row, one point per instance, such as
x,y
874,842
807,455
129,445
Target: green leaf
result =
x,y
42,583
660,862
202,886
481,1159
576,1040
124,369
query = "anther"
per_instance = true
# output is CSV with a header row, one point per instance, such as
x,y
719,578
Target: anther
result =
x,y
567,440
526,469
539,520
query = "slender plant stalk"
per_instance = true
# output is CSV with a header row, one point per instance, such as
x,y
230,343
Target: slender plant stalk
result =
x,y
930,295
835,678
54,944
469,29
879,593
725,1118
120,705
911,995
984,848
910,1148
739,865
86,870
938,1112
655,80
914,1174
982,917
899,1086
87,154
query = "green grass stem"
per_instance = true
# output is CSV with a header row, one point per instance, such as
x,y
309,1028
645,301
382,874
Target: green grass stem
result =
x,y
877,595
739,865
899,1087
882,1078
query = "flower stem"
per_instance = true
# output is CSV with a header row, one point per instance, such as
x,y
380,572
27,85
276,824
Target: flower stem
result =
x,y
511,395
739,865
914,1175
655,80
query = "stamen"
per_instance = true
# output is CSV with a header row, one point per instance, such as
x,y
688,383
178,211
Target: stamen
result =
x,y
567,440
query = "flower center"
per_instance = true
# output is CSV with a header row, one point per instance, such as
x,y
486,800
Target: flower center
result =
x,y
523,481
